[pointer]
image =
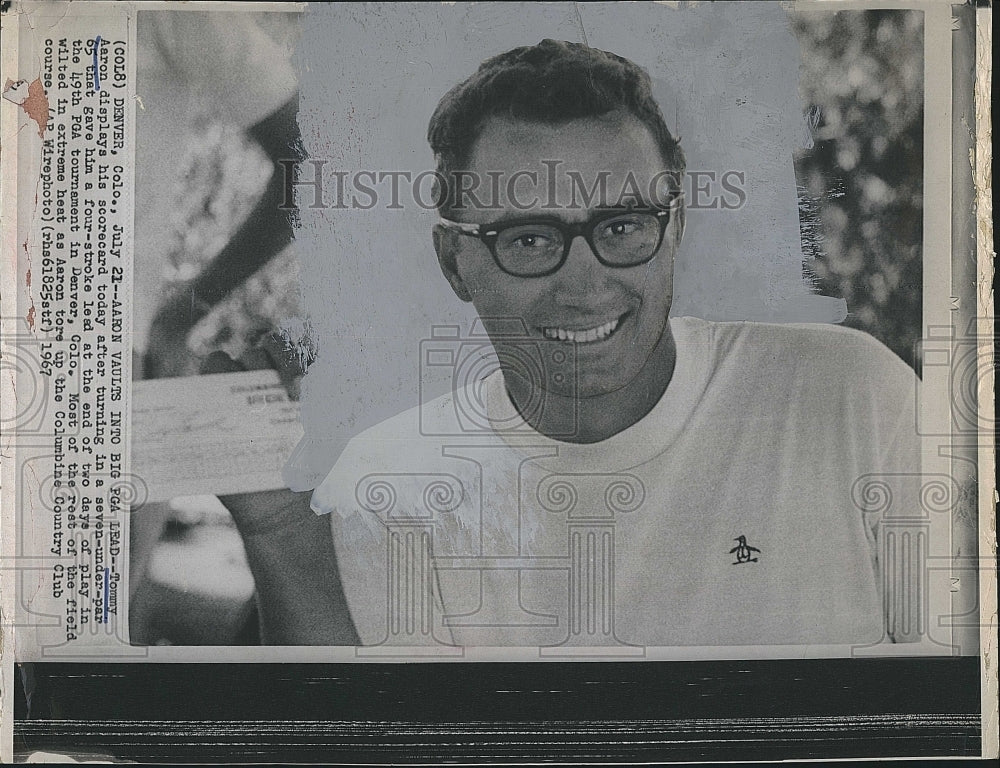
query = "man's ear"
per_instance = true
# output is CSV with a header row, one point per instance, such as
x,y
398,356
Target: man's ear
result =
x,y
447,248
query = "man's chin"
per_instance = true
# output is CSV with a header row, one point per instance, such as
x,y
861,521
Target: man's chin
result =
x,y
583,388
593,390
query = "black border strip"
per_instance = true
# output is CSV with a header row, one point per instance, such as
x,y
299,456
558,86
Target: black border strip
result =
x,y
650,711
407,742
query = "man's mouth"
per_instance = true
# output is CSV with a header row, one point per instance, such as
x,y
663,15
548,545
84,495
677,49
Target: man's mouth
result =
x,y
583,336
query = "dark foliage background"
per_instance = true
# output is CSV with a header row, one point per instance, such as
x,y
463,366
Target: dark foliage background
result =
x,y
861,184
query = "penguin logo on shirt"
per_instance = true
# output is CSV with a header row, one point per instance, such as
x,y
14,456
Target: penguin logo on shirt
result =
x,y
743,551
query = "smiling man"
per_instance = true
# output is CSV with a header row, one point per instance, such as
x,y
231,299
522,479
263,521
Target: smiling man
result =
x,y
624,478
598,279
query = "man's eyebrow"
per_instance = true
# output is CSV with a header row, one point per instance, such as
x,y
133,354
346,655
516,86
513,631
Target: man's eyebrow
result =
x,y
549,216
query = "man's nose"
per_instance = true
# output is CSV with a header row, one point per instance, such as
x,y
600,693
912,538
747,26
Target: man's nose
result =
x,y
582,275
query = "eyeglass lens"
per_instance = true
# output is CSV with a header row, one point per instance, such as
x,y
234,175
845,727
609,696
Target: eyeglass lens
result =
x,y
623,240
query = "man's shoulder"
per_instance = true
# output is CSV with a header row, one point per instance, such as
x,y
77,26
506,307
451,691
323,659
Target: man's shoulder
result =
x,y
402,450
817,347
452,414
801,336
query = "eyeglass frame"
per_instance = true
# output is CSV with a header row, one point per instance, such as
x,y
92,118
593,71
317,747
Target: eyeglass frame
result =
x,y
488,234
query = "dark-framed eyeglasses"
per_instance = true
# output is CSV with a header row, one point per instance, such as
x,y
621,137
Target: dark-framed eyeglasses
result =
x,y
536,247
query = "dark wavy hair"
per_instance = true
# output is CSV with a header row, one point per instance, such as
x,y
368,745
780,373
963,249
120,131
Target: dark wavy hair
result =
x,y
552,82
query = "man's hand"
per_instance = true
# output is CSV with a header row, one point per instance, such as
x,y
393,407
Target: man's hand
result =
x,y
270,352
256,512
290,551
289,547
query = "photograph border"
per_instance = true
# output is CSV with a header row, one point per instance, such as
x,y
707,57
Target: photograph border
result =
x,y
848,708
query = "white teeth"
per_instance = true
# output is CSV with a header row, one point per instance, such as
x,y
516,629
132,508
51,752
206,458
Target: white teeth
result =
x,y
582,337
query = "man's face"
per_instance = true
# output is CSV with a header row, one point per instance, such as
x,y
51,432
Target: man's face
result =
x,y
612,316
